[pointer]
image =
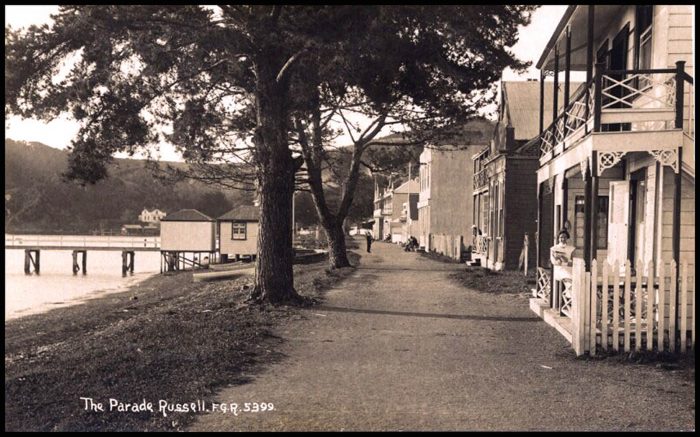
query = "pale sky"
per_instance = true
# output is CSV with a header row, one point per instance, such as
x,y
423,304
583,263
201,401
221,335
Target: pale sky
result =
x,y
59,133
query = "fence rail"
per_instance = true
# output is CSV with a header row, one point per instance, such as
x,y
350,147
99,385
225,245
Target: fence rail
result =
x,y
650,308
87,241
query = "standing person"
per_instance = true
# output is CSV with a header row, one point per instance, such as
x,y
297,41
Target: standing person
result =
x,y
368,236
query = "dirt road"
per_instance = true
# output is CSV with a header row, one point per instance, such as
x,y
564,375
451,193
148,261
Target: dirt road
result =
x,y
400,346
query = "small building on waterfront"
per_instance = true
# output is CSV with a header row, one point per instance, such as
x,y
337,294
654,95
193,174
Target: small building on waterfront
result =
x,y
188,230
238,232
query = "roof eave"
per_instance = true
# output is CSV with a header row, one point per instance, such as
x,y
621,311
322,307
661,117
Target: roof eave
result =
x,y
555,36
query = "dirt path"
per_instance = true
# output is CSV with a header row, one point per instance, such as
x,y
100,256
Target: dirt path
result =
x,y
399,346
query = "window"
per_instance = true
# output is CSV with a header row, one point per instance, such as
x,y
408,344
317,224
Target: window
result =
x,y
579,210
642,35
238,231
602,222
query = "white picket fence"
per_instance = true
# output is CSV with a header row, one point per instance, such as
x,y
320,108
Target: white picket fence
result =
x,y
614,308
448,245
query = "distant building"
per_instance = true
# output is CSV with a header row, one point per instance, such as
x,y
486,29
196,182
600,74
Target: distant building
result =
x,y
505,179
445,205
389,216
238,232
154,216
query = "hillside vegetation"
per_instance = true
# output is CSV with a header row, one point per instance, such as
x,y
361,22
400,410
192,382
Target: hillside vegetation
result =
x,y
38,200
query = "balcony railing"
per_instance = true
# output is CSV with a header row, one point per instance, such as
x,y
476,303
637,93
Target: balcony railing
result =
x,y
480,179
630,100
481,244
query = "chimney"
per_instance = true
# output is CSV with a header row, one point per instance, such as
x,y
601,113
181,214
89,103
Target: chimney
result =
x,y
510,137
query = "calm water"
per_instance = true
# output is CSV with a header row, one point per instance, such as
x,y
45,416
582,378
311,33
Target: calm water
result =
x,y
56,286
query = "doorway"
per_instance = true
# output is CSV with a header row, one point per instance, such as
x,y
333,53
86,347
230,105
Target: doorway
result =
x,y
637,200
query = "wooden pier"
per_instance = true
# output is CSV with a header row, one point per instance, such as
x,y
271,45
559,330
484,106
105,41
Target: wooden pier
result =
x,y
80,245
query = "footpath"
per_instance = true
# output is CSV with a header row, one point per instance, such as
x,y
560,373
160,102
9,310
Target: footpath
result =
x,y
400,346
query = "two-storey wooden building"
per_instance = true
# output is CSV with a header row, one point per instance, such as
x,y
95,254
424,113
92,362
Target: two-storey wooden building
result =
x,y
505,180
617,169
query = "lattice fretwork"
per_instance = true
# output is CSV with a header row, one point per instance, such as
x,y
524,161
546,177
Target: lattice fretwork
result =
x,y
658,89
566,297
544,284
607,160
666,157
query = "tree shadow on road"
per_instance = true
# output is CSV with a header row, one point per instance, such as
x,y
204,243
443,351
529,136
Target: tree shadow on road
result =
x,y
428,315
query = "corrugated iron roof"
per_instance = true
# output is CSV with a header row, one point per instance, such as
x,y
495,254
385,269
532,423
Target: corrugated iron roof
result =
x,y
523,100
187,215
248,213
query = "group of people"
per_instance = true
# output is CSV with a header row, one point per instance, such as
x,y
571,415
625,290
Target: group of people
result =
x,y
411,244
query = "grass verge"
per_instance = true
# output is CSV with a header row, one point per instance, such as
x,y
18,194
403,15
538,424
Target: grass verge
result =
x,y
438,257
500,282
165,338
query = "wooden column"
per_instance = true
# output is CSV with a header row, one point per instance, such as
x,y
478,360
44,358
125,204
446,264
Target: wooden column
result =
x,y
124,262
587,219
555,93
676,234
567,73
594,205
27,262
565,201
589,60
538,237
85,262
37,262
589,43
598,96
542,77
680,83
676,241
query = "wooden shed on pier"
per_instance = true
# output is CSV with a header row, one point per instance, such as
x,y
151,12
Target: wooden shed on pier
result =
x,y
187,231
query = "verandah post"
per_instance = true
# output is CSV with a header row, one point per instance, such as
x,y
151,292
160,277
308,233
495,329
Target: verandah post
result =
x,y
598,96
680,83
589,62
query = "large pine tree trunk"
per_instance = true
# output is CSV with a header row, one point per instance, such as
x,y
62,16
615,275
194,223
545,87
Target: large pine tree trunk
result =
x,y
274,281
337,252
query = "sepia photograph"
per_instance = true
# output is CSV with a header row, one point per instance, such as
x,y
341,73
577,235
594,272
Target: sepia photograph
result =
x,y
350,218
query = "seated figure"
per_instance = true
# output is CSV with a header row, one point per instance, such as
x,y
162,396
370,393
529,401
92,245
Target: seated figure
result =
x,y
561,256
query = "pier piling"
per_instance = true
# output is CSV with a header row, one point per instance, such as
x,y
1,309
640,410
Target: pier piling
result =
x,y
75,263
30,261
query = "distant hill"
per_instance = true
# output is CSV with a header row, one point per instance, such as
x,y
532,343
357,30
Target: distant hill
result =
x,y
38,200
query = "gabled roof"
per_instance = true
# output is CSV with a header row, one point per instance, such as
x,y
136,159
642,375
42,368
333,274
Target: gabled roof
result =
x,y
408,187
187,215
247,213
522,100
